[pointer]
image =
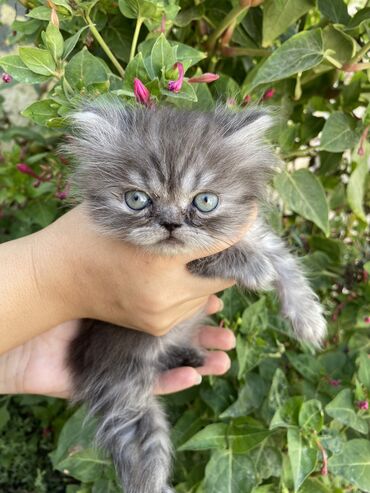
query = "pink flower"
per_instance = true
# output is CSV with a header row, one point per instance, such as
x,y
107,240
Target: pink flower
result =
x,y
176,85
26,170
62,195
334,383
270,93
364,405
367,320
207,78
247,99
7,78
141,92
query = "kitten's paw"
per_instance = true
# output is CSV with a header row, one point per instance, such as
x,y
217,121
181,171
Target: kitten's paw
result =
x,y
258,273
184,356
309,324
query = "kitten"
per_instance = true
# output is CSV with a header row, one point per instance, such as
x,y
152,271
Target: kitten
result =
x,y
171,181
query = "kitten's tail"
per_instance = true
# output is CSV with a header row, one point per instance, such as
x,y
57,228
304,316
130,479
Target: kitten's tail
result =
x,y
138,441
113,374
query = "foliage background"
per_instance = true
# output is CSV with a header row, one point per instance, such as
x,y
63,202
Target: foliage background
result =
x,y
283,419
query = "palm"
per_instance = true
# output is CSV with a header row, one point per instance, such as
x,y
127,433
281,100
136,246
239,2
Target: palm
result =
x,y
39,365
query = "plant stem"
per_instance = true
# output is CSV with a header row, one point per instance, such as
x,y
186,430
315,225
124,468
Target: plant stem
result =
x,y
139,22
104,45
239,51
360,53
229,19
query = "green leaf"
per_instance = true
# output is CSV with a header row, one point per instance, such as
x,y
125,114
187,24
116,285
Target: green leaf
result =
x,y
41,111
186,426
364,369
342,46
303,193
341,408
278,15
229,472
187,93
54,41
303,458
250,397
13,65
4,416
334,10
311,415
84,465
135,69
353,463
85,69
212,436
38,60
278,393
77,434
360,19
301,52
255,317
140,8
307,365
163,56
40,13
338,133
288,414
267,461
356,184
71,42
64,5
184,17
242,437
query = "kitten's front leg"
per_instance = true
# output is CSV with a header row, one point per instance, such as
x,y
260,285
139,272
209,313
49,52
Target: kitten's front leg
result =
x,y
261,260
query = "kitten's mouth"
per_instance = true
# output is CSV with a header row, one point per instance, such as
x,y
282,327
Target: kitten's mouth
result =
x,y
170,240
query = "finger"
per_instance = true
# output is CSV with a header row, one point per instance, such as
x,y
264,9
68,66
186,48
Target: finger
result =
x,y
217,363
216,338
177,379
224,243
214,305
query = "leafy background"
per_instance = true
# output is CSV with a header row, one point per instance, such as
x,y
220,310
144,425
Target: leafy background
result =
x,y
283,419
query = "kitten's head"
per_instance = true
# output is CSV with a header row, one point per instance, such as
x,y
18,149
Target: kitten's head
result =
x,y
170,180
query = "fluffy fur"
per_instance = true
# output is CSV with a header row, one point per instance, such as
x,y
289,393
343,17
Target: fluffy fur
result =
x,y
172,155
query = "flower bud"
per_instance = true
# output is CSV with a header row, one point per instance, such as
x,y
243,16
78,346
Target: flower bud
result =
x,y
270,93
26,170
207,78
7,78
364,405
141,92
176,85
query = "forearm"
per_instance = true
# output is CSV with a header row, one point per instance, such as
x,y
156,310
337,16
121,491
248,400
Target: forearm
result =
x,y
30,301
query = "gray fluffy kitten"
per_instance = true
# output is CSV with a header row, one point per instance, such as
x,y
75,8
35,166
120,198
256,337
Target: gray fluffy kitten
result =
x,y
172,181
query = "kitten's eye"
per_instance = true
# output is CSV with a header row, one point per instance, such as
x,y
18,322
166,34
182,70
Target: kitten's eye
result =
x,y
206,202
137,200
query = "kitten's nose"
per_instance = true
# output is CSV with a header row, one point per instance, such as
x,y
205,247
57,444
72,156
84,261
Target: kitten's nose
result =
x,y
170,226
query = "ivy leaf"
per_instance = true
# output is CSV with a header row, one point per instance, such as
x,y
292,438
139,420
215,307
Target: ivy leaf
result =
x,y
342,46
242,437
353,463
162,56
356,184
54,41
250,397
139,8
71,42
301,52
303,193
229,472
38,60
364,369
311,415
278,15
13,65
334,10
303,458
212,436
338,133
84,465
362,17
288,414
42,111
85,69
341,408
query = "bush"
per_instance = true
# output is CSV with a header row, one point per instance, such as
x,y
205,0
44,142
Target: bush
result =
x,y
283,419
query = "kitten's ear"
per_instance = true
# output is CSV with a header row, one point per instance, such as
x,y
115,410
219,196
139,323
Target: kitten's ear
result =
x,y
245,126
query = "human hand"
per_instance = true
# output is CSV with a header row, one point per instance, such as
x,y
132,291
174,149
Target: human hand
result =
x,y
38,365
107,279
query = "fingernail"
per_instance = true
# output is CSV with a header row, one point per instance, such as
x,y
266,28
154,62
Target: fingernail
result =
x,y
198,379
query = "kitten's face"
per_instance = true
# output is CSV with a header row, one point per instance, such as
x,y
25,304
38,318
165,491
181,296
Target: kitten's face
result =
x,y
168,180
